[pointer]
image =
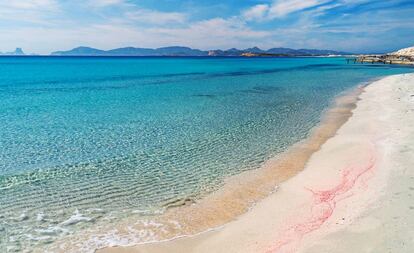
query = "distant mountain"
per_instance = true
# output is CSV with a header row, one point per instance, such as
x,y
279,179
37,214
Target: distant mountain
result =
x,y
282,50
81,51
254,50
18,51
180,51
304,52
229,52
186,51
320,52
133,51
130,51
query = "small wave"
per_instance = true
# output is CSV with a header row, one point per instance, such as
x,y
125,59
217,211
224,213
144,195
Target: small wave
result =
x,y
52,231
76,218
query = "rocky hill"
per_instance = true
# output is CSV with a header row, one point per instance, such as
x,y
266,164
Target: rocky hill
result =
x,y
18,51
409,51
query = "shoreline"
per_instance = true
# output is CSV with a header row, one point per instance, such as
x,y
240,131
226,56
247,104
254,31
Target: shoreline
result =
x,y
238,195
241,192
355,151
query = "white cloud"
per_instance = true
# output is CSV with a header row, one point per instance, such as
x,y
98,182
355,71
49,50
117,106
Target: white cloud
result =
x,y
28,5
281,8
278,9
213,33
30,11
257,12
129,13
105,3
206,34
154,17
42,26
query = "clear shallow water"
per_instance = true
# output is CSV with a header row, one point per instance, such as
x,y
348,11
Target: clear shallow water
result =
x,y
85,139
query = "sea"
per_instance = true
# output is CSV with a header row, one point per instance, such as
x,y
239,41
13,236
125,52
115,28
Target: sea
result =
x,y
91,141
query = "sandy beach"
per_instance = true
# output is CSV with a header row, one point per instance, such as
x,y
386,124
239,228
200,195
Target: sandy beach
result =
x,y
355,193
280,126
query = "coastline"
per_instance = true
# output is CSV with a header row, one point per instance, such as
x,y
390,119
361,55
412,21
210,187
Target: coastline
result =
x,y
241,192
238,195
307,208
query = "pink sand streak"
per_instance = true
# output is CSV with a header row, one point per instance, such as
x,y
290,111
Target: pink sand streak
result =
x,y
323,206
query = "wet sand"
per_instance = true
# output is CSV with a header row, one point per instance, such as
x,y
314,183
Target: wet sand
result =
x,y
354,194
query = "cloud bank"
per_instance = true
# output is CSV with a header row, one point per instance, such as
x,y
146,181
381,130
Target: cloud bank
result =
x,y
42,26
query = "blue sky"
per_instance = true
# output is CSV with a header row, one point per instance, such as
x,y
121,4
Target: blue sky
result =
x,y
43,26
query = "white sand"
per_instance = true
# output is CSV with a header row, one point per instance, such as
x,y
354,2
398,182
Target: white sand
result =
x,y
355,194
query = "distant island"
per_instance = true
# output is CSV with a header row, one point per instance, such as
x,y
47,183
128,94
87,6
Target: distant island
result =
x,y
18,51
186,51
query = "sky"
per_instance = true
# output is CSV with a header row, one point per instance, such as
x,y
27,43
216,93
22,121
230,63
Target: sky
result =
x,y
359,26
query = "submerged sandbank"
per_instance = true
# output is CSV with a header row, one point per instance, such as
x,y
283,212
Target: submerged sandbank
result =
x,y
330,205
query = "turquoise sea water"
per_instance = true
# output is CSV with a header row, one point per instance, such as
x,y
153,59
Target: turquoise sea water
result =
x,y
82,138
